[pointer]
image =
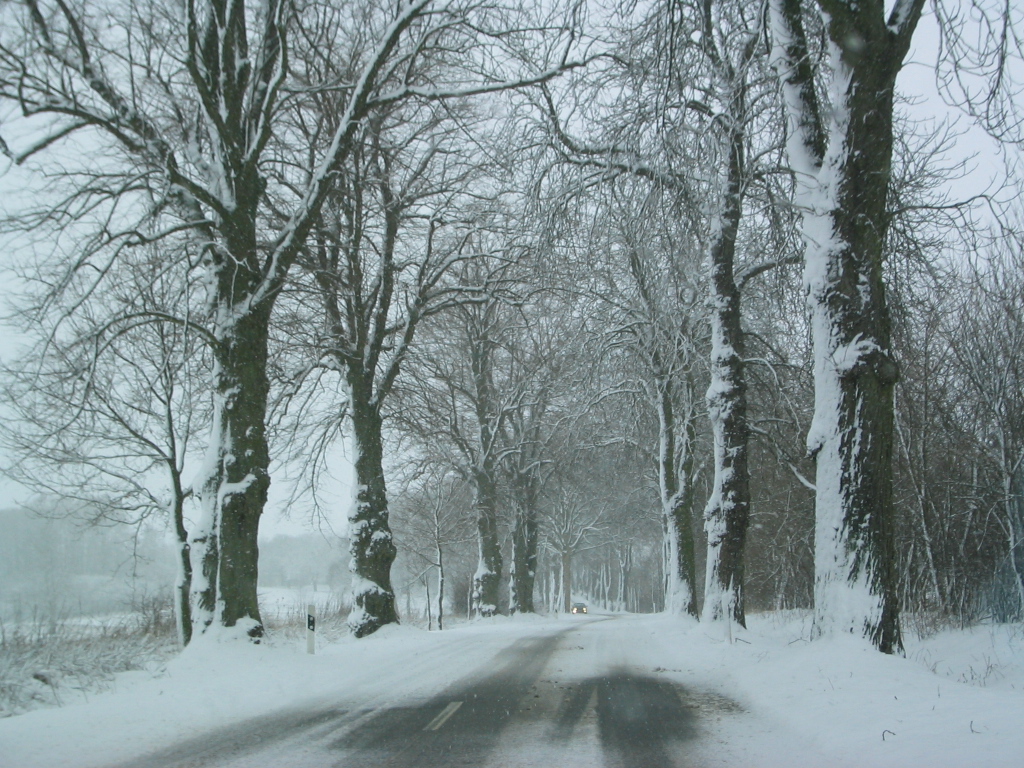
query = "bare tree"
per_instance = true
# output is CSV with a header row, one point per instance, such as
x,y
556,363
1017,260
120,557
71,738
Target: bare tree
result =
x,y
571,527
987,333
544,353
695,83
435,519
456,409
106,413
666,327
189,108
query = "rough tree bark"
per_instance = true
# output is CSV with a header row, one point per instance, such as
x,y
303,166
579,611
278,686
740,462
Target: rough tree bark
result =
x,y
371,544
727,513
675,481
525,539
843,173
234,489
487,579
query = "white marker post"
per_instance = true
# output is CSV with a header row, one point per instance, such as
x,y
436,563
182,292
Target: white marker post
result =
x,y
310,629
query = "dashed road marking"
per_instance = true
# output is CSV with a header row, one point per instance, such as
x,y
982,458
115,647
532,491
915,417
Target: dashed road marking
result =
x,y
443,716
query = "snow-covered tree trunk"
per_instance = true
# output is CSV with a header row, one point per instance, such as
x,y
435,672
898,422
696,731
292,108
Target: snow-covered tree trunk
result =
x,y
370,541
525,538
235,477
727,513
440,588
843,173
565,562
183,580
677,502
487,579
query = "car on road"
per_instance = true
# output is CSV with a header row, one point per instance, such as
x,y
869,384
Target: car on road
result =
x,y
579,607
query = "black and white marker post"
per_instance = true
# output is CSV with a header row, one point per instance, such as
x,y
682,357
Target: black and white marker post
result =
x,y
310,629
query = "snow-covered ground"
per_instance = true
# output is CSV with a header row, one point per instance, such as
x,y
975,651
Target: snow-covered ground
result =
x,y
957,699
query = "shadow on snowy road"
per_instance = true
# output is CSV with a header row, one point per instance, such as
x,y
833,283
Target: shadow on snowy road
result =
x,y
640,719
462,726
518,712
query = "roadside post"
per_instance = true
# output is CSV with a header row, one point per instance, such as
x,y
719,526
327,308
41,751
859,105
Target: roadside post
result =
x,y
310,629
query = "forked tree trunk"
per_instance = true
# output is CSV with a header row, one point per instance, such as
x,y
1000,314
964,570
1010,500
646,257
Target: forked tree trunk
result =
x,y
842,189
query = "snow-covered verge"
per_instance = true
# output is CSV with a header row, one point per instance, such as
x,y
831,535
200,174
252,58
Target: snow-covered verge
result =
x,y
957,699
51,663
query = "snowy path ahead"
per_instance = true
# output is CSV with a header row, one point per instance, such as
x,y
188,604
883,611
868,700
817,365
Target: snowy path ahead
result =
x,y
569,695
584,692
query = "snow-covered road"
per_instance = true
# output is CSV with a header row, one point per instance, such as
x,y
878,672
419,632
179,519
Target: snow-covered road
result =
x,y
582,691
568,693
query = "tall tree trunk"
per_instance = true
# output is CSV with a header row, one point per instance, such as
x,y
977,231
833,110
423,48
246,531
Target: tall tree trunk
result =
x,y
842,190
625,557
440,589
676,503
727,513
524,545
370,540
487,579
183,583
673,480
237,478
566,563
855,372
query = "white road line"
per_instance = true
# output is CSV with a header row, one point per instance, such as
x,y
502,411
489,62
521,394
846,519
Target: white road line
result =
x,y
442,718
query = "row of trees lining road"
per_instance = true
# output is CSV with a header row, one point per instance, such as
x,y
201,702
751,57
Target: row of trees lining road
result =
x,y
201,120
539,263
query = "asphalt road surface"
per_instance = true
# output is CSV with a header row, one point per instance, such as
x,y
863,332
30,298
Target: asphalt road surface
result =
x,y
571,698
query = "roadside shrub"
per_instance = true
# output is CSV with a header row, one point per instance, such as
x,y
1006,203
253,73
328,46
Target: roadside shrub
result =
x,y
46,662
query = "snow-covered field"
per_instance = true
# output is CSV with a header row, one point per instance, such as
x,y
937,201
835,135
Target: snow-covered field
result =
x,y
957,699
